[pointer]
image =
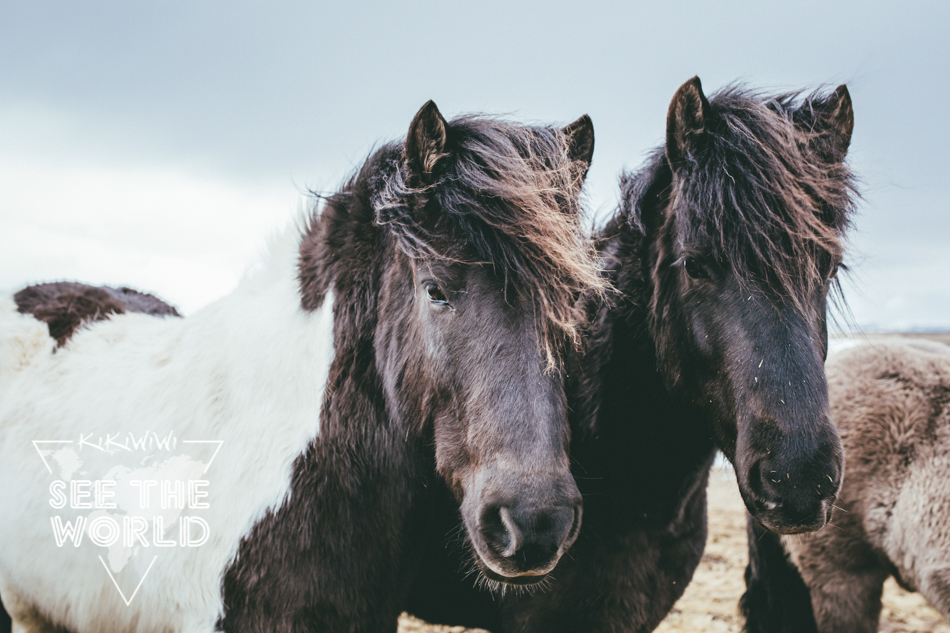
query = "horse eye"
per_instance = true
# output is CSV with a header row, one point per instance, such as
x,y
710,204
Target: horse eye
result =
x,y
694,269
435,294
833,273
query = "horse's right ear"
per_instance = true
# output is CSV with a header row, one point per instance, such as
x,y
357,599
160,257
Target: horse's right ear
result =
x,y
686,121
837,114
580,141
426,141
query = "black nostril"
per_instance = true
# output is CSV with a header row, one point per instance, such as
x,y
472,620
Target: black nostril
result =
x,y
534,555
500,531
514,538
767,482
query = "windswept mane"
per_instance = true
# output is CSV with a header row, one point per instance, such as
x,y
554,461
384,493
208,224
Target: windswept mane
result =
x,y
766,196
509,197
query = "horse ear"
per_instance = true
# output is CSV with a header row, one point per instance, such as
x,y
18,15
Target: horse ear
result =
x,y
685,120
580,141
643,194
836,116
426,141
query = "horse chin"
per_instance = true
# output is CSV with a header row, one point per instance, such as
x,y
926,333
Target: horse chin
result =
x,y
783,528
520,581
775,521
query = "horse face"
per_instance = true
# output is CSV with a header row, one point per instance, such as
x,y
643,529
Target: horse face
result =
x,y
755,363
468,355
742,319
463,356
499,420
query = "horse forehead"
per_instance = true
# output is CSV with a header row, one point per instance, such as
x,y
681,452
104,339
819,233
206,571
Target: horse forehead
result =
x,y
505,304
449,272
691,231
495,283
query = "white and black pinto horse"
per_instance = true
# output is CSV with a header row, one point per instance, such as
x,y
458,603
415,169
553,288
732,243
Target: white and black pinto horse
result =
x,y
723,252
891,403
412,332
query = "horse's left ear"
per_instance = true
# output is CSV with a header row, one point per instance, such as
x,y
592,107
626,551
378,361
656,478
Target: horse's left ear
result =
x,y
643,194
686,121
426,141
836,121
580,141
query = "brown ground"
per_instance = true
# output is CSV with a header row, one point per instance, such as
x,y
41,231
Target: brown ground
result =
x,y
710,602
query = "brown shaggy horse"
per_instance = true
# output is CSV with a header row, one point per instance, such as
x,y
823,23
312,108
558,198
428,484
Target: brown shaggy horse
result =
x,y
890,402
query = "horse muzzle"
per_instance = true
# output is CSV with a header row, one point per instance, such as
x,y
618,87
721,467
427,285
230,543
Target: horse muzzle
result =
x,y
520,539
775,517
788,503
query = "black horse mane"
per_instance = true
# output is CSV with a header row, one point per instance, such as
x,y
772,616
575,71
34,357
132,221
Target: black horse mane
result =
x,y
767,195
510,197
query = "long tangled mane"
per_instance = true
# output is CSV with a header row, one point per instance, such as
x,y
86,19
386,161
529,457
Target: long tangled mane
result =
x,y
766,195
510,196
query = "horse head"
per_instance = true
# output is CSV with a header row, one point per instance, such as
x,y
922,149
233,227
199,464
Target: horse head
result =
x,y
745,210
482,255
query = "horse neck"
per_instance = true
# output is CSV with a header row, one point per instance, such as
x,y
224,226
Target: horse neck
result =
x,y
631,436
366,446
260,344
319,355
344,250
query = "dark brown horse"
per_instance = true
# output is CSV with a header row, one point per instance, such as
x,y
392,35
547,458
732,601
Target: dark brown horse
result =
x,y
723,253
889,400
413,333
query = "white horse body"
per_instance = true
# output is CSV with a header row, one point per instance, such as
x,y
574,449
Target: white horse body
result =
x,y
248,371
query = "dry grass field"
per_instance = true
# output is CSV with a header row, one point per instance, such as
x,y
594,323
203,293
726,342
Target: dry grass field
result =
x,y
940,337
710,602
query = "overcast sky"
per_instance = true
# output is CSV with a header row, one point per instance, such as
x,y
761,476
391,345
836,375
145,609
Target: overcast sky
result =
x,y
157,144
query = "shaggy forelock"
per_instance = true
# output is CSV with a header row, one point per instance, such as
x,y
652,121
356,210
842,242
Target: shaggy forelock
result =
x,y
760,197
509,196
